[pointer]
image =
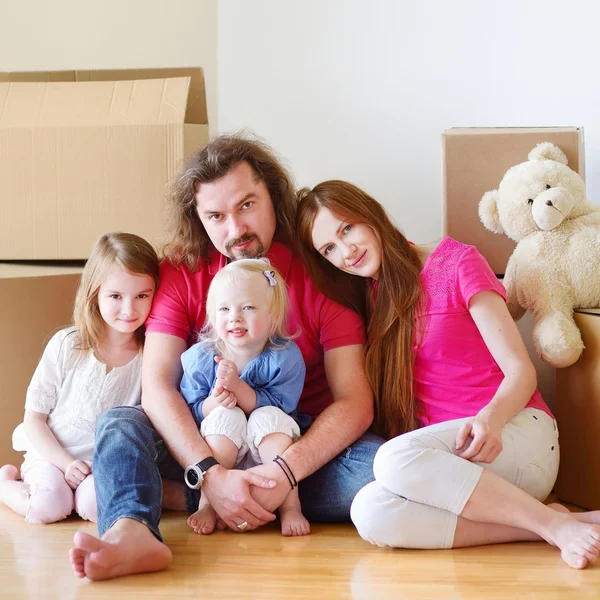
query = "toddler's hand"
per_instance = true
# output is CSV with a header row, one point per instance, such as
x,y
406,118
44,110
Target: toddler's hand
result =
x,y
227,374
76,472
226,399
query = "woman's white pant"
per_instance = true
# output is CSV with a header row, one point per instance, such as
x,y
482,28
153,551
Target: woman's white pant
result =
x,y
421,486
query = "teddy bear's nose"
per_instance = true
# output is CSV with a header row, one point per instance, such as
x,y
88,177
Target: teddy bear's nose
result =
x,y
548,202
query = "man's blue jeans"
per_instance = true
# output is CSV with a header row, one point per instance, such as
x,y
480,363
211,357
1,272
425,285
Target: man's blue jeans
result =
x,y
130,460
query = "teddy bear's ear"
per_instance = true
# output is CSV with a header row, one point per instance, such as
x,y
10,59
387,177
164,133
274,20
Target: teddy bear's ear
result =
x,y
488,211
548,151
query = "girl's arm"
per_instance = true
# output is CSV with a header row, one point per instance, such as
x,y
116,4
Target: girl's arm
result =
x,y
43,440
501,336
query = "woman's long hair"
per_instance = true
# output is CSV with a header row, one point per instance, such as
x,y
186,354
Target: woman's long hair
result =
x,y
391,317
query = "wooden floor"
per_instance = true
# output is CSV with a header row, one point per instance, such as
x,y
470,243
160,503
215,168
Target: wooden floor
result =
x,y
333,562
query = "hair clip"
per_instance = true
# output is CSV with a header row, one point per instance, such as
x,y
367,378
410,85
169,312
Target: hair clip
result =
x,y
270,275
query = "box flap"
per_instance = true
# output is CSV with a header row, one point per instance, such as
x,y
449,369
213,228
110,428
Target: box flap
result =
x,y
505,130
23,271
588,311
196,111
91,103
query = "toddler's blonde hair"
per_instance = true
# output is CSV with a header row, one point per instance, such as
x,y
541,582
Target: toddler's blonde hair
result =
x,y
242,270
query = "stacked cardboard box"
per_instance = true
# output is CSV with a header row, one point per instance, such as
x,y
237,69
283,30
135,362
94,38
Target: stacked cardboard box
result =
x,y
85,152
475,161
35,302
578,415
81,153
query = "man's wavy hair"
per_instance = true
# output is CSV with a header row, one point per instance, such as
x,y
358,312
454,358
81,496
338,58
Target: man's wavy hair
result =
x,y
188,243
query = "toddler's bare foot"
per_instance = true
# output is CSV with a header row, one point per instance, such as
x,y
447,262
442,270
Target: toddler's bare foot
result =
x,y
203,520
592,516
578,541
9,473
128,547
293,522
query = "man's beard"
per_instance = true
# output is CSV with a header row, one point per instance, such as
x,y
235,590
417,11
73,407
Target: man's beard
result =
x,y
245,252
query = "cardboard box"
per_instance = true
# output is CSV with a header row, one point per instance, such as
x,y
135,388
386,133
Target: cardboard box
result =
x,y
475,160
578,418
85,152
35,302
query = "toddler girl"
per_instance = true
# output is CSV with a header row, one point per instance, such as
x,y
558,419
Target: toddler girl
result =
x,y
243,380
84,370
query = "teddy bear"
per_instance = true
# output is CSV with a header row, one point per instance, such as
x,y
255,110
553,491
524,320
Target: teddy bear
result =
x,y
541,204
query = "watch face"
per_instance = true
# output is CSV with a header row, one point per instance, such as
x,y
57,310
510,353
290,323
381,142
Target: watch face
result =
x,y
192,477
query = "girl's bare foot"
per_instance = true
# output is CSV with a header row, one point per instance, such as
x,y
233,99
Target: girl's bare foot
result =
x,y
128,547
293,522
203,520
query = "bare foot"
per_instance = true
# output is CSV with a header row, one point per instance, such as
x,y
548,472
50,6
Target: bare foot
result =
x,y
203,520
128,547
578,541
173,495
592,516
293,522
9,473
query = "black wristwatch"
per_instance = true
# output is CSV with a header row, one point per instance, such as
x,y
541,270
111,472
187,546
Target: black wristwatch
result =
x,y
194,474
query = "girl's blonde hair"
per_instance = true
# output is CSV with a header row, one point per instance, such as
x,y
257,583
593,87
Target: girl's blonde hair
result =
x,y
126,250
242,270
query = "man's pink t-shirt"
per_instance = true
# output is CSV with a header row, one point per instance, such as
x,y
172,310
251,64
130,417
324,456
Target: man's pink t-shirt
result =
x,y
455,373
179,309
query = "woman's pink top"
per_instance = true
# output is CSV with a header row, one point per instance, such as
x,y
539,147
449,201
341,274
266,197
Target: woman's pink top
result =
x,y
455,374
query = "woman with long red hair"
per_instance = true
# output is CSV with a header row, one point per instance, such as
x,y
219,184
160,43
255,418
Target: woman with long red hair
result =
x,y
473,447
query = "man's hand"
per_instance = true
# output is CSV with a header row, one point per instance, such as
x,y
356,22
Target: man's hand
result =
x,y
227,374
228,492
76,472
486,443
271,498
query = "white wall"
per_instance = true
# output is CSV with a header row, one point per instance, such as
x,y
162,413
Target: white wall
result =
x,y
362,90
38,35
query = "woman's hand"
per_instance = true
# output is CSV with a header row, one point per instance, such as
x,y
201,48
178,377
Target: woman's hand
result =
x,y
486,444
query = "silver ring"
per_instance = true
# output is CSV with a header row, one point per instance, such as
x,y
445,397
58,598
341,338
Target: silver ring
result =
x,y
243,526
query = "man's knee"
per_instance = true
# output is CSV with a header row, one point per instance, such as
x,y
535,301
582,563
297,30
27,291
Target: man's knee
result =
x,y
120,417
360,456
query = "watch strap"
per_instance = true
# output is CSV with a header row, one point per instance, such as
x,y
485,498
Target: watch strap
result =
x,y
205,464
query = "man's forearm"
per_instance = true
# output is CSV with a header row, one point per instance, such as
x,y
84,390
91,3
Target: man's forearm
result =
x,y
174,422
336,428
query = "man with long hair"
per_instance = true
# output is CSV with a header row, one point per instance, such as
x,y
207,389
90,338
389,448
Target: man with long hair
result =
x,y
234,199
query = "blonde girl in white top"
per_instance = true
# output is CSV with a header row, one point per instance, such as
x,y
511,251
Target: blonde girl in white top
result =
x,y
84,370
